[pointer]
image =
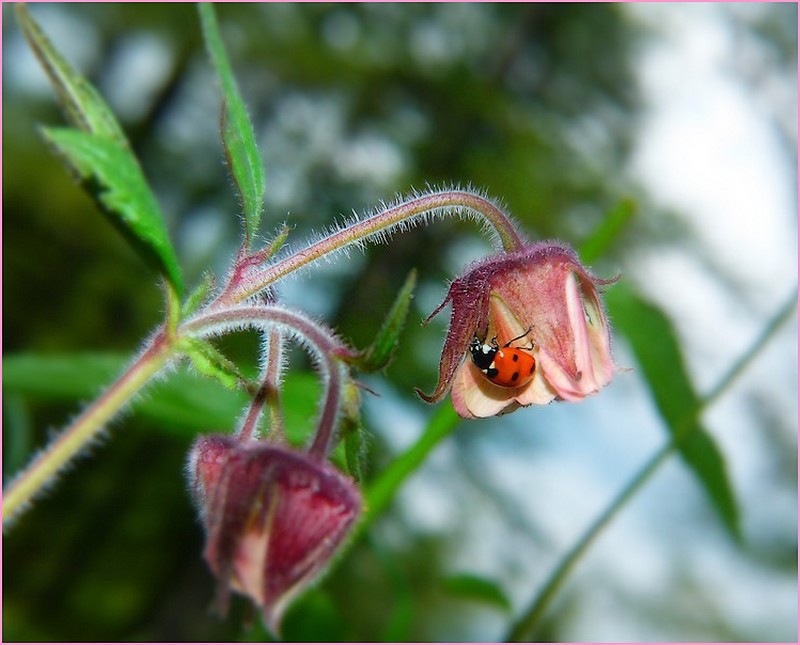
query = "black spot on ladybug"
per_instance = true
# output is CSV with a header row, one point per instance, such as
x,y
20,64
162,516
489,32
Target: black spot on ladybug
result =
x,y
533,367
515,375
514,358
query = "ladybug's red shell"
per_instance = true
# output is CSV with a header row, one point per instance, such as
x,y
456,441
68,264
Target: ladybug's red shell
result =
x,y
506,366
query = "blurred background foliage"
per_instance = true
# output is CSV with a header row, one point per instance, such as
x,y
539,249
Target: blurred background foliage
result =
x,y
542,106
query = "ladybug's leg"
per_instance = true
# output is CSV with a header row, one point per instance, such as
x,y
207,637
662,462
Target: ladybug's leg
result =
x,y
508,344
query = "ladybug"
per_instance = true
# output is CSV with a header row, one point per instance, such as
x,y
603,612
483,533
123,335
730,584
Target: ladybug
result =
x,y
505,366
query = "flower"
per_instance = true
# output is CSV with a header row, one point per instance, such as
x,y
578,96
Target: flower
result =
x,y
273,518
539,300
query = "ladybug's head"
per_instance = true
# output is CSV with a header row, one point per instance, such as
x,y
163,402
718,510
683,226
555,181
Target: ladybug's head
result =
x,y
475,345
482,354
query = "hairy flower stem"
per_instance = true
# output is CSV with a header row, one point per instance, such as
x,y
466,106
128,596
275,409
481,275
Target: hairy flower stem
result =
x,y
250,423
47,464
324,346
455,202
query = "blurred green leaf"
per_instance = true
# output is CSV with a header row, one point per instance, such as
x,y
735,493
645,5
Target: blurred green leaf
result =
x,y
241,150
17,433
61,377
477,588
658,353
99,154
352,432
184,402
314,618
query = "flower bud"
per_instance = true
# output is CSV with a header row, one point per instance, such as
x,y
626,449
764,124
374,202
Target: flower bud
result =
x,y
538,303
273,518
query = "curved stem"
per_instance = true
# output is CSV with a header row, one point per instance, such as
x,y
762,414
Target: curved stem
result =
x,y
324,345
47,464
458,202
525,628
323,441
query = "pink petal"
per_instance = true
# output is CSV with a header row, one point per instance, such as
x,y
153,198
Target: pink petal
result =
x,y
583,380
599,338
538,391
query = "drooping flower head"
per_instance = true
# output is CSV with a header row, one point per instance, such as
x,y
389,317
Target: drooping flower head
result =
x,y
274,518
539,302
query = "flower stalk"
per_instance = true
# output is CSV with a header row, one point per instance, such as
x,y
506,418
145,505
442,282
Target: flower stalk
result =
x,y
407,214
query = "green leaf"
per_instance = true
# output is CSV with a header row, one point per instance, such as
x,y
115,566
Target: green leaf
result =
x,y
313,618
184,402
380,352
659,356
211,362
17,433
477,588
100,155
84,107
60,377
244,159
351,430
113,177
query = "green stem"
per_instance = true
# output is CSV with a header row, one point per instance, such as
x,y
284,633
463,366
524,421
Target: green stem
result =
x,y
46,465
173,306
525,628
